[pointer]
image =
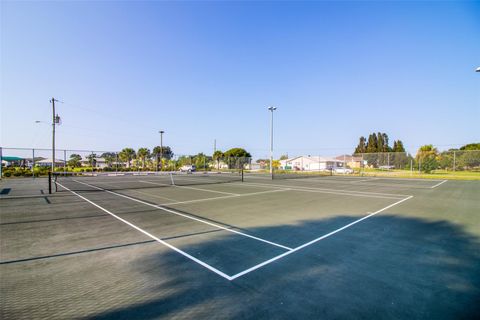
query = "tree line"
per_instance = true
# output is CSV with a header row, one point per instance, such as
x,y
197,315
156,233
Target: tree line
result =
x,y
160,157
377,152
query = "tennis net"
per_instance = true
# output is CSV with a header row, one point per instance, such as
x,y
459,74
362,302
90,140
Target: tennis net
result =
x,y
97,181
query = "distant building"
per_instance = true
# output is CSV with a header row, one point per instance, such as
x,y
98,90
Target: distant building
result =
x,y
351,161
96,162
310,163
48,163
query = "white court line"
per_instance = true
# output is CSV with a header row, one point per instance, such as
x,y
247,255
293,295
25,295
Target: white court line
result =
x,y
186,216
225,197
386,184
203,264
334,191
314,241
353,181
438,184
145,193
200,189
348,194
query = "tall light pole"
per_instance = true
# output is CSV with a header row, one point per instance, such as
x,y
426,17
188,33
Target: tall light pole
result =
x,y
161,148
271,139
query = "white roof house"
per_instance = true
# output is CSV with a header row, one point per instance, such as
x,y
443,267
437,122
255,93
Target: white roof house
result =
x,y
310,163
48,162
97,161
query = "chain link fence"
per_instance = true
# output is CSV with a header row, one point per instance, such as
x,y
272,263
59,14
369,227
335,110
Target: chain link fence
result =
x,y
453,163
31,162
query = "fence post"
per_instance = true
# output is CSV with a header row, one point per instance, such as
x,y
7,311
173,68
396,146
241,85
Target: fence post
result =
x,y
454,159
1,164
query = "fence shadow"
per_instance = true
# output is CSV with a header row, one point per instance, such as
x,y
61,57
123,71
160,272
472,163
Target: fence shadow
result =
x,y
384,267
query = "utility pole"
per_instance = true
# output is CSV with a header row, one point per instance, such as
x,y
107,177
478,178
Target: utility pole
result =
x,y
55,120
214,145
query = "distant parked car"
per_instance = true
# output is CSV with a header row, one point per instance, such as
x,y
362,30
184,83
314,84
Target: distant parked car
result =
x,y
343,170
188,168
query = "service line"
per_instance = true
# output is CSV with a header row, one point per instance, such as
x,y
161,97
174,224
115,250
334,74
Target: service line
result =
x,y
438,184
185,215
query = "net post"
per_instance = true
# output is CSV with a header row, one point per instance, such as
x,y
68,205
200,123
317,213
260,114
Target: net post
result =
x,y
49,182
33,163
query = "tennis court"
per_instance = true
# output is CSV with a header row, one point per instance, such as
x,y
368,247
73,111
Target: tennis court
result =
x,y
230,246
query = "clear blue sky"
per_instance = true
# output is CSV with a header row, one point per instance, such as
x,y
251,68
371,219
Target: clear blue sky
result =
x,y
200,71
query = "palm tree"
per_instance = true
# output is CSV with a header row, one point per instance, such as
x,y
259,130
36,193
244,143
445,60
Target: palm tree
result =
x,y
143,154
126,155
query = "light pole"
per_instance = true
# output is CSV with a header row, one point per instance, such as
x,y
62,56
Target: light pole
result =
x,y
271,139
161,148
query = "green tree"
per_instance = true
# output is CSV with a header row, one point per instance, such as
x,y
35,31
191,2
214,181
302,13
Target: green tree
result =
x,y
372,144
398,146
471,146
127,155
166,152
283,157
202,161
361,147
74,160
217,157
380,142
92,159
427,158
237,157
237,153
445,160
469,159
109,157
143,154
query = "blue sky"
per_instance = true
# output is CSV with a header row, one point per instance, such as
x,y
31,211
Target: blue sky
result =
x,y
208,70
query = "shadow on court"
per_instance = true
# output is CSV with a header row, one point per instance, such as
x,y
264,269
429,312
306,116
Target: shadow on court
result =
x,y
385,267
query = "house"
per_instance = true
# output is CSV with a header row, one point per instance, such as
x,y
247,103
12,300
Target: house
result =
x,y
48,163
96,162
310,163
9,161
351,161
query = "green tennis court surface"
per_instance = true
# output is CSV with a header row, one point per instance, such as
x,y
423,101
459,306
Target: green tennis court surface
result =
x,y
327,247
